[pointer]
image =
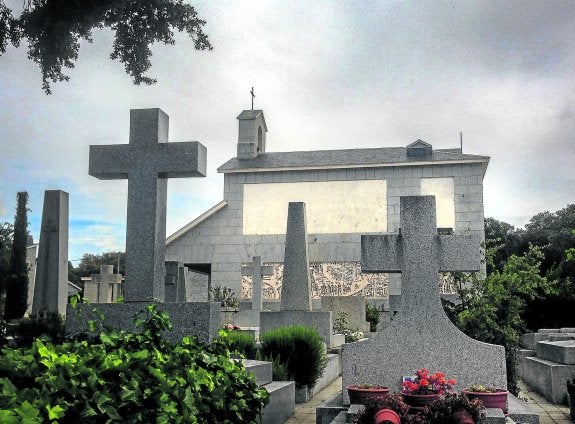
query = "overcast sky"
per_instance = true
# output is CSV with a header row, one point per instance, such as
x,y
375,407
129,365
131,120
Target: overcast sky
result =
x,y
328,75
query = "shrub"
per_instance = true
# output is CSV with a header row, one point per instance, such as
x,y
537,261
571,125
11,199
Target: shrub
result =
x,y
240,342
300,348
372,314
47,324
127,377
340,327
445,409
225,296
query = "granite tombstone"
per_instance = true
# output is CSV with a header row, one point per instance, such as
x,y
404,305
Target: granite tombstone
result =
x,y
147,161
421,335
51,283
295,306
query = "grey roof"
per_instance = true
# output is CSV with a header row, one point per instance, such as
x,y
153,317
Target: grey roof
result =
x,y
419,142
385,156
249,114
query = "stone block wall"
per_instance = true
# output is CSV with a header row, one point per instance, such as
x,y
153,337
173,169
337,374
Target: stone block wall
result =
x,y
219,240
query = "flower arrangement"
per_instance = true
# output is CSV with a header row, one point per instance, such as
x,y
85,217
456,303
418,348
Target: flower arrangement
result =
x,y
483,389
367,386
426,384
230,327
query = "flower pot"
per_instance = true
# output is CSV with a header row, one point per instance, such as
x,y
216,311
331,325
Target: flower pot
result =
x,y
463,417
490,400
361,396
419,401
386,416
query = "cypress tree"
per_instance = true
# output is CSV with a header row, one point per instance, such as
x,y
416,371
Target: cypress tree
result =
x,y
6,231
17,284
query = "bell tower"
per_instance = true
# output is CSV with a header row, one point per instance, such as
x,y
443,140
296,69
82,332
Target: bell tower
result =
x,y
252,134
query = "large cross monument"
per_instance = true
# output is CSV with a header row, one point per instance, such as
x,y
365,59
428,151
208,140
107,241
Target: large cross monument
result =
x,y
421,335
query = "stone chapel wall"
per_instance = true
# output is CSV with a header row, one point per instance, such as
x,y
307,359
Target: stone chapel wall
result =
x,y
220,241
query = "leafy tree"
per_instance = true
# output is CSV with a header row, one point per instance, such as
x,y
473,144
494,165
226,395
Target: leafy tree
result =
x,y
507,236
493,308
90,264
6,231
17,287
53,29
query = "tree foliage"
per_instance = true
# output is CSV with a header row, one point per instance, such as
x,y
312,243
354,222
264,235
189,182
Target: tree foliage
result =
x,y
6,231
493,308
54,28
90,264
17,287
553,233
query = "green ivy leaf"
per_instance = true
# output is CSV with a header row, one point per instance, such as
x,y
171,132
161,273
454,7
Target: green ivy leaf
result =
x,y
55,413
8,417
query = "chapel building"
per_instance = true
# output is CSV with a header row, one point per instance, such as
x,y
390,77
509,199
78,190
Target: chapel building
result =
x,y
347,193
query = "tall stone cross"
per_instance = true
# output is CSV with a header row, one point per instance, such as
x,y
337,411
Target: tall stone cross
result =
x,y
421,335
419,253
108,284
257,271
147,162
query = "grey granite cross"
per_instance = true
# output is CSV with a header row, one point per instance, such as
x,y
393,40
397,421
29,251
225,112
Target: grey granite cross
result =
x,y
419,253
421,335
257,271
147,161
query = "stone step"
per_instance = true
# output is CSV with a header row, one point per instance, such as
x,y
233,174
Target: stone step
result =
x,y
562,351
282,402
548,378
261,369
521,412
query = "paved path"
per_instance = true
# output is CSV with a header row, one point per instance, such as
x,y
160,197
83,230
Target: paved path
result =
x,y
548,413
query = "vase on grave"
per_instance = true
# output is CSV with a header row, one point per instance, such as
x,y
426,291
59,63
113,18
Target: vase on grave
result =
x,y
360,394
386,416
419,401
495,398
463,417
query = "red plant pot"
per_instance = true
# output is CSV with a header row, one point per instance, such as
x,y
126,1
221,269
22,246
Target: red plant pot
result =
x,y
386,416
419,401
463,417
490,400
361,396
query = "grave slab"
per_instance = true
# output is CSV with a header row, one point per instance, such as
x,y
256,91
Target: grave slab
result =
x,y
352,306
175,282
562,351
530,340
421,335
200,319
548,378
51,283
